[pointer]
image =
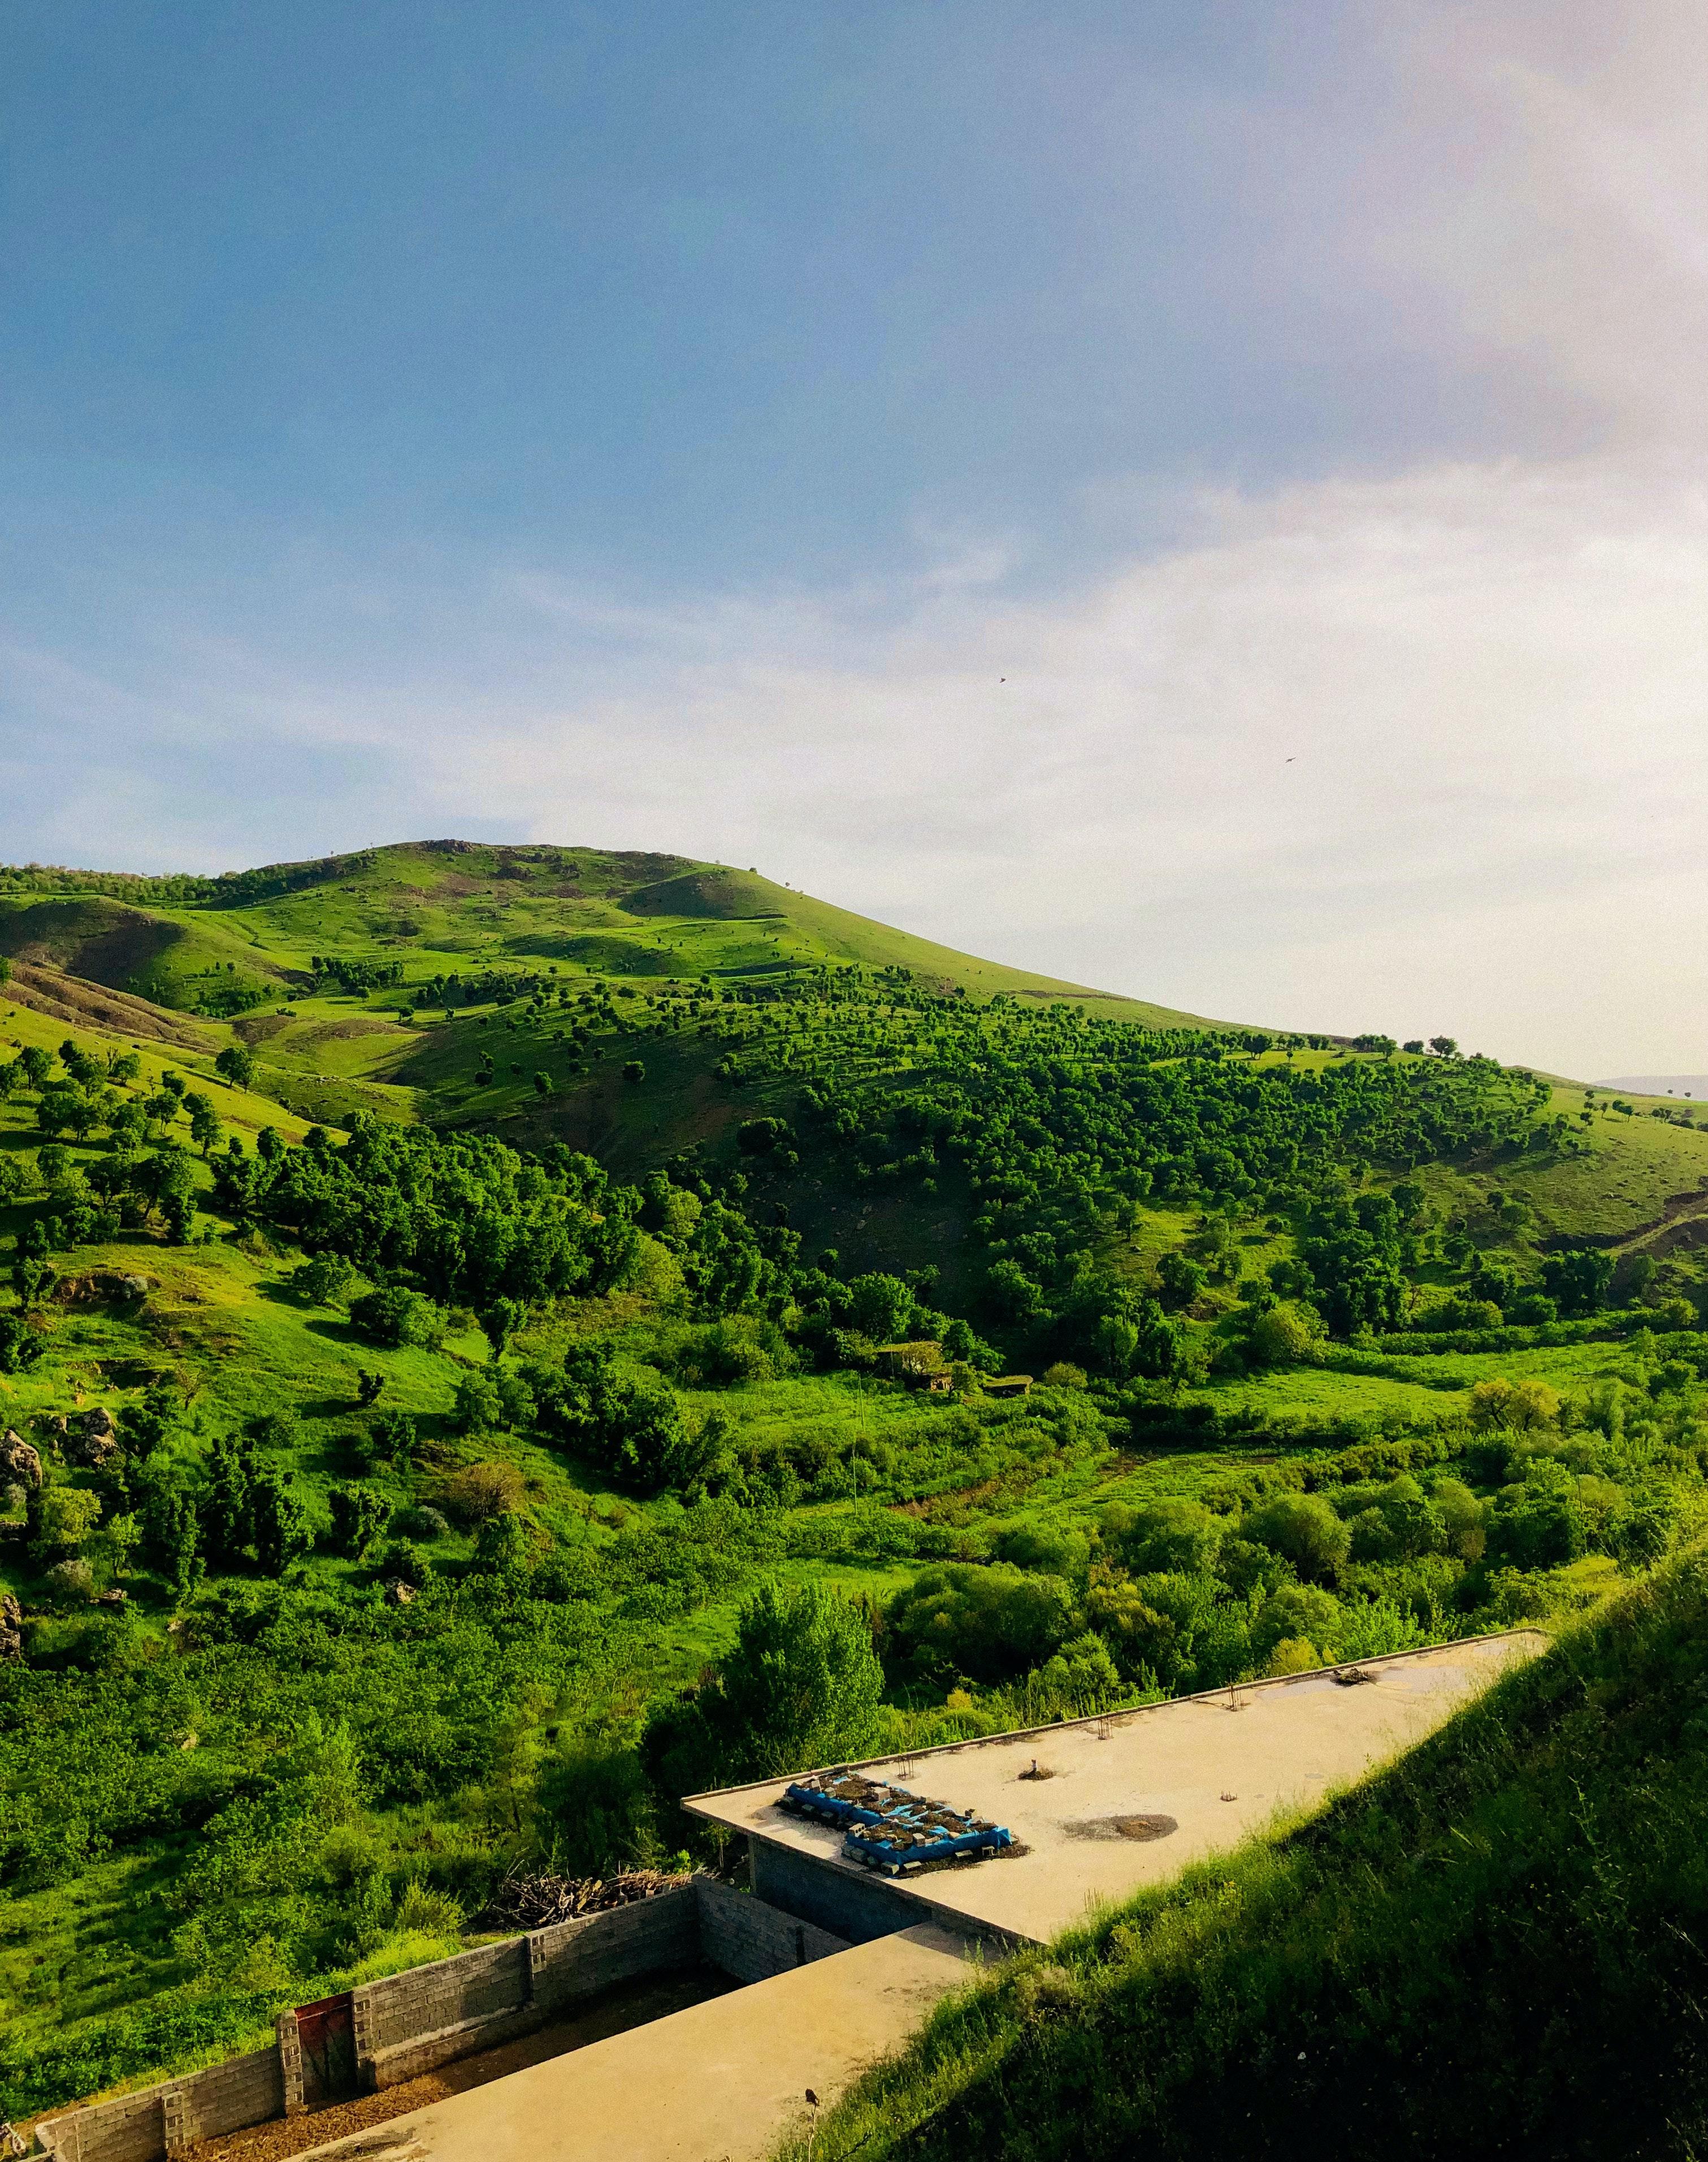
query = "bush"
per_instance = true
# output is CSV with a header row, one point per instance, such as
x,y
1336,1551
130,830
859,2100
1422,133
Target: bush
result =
x,y
991,1624
69,1584
1285,1335
482,1491
394,1316
1304,1529
420,1523
403,1559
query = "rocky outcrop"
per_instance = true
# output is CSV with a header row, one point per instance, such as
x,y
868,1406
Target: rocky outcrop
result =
x,y
11,1627
18,1462
105,1287
90,1440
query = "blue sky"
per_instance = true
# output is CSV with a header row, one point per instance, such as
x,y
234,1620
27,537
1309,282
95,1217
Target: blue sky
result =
x,y
669,428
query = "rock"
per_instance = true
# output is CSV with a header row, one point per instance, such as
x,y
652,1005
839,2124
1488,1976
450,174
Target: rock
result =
x,y
94,1423
19,1461
400,1594
11,1627
87,1448
103,1287
117,1597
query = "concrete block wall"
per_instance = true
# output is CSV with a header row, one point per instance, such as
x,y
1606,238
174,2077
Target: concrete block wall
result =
x,y
576,1960
130,2129
855,1909
473,1986
409,2024
433,2015
751,1941
225,2098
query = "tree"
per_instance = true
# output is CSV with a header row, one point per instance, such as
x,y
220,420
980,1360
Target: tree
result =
x,y
1180,1281
396,1437
1285,1335
880,1307
326,1280
111,1549
360,1513
1305,1530
501,1546
633,1070
476,1408
20,1347
991,1624
283,1530
61,1518
1500,1405
227,1520
205,1127
235,1065
1011,1293
800,1686
1444,1046
172,1537
396,1316
542,1084
1580,1280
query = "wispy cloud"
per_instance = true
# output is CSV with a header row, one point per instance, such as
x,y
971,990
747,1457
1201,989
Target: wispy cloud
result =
x,y
1418,747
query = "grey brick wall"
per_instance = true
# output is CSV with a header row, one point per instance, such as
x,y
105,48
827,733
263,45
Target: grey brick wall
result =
x,y
472,1985
856,1908
751,1941
409,2024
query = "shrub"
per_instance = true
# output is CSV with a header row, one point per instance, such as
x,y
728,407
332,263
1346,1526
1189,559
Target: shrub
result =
x,y
420,1523
401,1557
424,1909
394,1316
1304,1529
1285,1335
991,1624
482,1491
69,1583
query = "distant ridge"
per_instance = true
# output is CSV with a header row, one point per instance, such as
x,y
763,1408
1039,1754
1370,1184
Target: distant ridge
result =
x,y
1661,1084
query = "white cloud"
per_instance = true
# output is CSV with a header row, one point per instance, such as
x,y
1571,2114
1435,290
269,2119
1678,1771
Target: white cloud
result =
x,y
1422,749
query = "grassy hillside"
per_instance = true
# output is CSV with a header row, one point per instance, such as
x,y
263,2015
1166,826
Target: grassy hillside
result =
x,y
481,1257
1493,1948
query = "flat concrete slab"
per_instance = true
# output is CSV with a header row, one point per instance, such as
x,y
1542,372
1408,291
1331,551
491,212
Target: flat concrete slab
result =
x,y
720,2082
1130,1800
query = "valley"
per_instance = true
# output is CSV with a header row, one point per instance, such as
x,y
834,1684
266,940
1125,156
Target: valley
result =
x,y
472,1312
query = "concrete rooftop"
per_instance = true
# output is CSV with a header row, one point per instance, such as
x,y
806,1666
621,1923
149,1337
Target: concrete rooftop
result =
x,y
1222,1766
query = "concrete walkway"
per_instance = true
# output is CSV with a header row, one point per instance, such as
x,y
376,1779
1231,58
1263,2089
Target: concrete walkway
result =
x,y
720,2082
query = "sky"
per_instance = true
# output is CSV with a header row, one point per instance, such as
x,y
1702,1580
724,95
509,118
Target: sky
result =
x,y
1209,501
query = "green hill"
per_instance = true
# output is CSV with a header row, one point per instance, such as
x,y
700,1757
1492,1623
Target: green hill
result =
x,y
473,1265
